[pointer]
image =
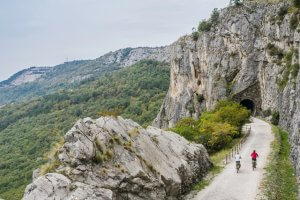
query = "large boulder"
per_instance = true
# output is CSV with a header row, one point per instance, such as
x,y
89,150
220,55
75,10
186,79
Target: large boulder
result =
x,y
112,158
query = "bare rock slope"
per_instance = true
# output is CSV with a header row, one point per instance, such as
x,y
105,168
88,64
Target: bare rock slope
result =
x,y
111,158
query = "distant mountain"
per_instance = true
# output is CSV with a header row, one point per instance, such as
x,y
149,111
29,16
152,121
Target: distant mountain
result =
x,y
39,81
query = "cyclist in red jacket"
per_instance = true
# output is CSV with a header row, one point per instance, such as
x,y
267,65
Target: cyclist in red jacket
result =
x,y
254,155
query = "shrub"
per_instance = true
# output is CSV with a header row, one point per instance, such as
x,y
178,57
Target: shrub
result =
x,y
204,26
52,156
275,51
215,129
49,167
99,145
215,17
275,118
295,70
289,57
218,134
296,3
99,158
110,113
237,2
133,133
195,36
191,108
229,88
285,79
290,69
294,22
186,128
282,12
231,113
267,113
200,98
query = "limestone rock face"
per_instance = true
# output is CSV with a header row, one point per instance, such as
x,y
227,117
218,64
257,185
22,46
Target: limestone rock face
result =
x,y
129,56
114,159
243,57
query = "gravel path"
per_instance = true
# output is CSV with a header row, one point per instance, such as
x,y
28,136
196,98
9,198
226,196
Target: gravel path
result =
x,y
245,185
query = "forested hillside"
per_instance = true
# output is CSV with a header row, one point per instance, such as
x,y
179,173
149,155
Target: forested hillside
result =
x,y
27,130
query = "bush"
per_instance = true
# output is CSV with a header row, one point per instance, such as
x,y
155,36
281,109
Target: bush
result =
x,y
267,113
187,128
275,51
282,12
215,17
218,134
294,22
237,2
215,129
275,118
295,70
290,69
195,36
231,113
204,26
296,3
200,98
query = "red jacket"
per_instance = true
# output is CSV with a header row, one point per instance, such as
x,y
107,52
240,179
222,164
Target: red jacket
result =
x,y
254,155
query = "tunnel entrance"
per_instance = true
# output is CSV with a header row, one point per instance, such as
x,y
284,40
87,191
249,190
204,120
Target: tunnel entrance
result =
x,y
249,104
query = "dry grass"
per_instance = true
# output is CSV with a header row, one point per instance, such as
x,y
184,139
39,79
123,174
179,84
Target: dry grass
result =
x,y
52,156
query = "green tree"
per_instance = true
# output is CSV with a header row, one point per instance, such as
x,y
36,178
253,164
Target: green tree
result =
x,y
215,129
204,26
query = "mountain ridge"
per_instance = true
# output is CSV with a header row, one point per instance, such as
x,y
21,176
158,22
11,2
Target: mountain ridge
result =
x,y
38,81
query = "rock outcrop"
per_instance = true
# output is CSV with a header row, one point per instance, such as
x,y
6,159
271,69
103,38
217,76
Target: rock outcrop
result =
x,y
251,55
114,159
129,56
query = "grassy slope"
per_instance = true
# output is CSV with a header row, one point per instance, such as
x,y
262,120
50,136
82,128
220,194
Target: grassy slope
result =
x,y
28,130
280,180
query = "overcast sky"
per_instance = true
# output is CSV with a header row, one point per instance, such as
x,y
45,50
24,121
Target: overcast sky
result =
x,y
48,32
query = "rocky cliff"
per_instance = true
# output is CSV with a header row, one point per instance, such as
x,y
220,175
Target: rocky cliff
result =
x,y
115,159
250,55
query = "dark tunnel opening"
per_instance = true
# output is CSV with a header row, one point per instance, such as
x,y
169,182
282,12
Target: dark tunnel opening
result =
x,y
249,104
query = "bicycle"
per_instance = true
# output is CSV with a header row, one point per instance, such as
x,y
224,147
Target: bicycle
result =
x,y
253,164
238,166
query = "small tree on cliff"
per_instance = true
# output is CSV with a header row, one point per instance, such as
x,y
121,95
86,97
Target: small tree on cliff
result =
x,y
236,2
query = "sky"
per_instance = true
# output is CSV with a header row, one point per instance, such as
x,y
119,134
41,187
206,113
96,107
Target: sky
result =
x,y
50,32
